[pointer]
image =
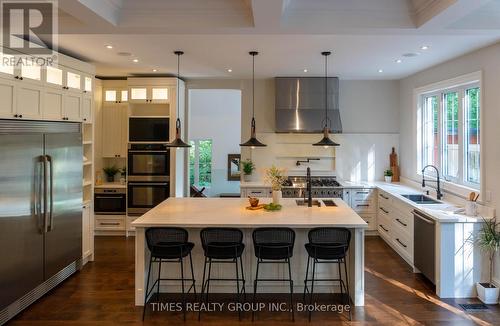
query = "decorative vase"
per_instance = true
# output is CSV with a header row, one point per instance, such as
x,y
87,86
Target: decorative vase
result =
x,y
277,194
247,177
110,178
388,178
487,294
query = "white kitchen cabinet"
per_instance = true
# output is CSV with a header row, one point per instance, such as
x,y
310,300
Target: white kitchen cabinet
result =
x,y
87,104
7,98
88,232
29,99
149,94
31,75
53,104
72,106
110,223
114,130
115,95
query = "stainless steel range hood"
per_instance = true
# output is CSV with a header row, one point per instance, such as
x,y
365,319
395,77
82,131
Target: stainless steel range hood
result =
x,y
300,104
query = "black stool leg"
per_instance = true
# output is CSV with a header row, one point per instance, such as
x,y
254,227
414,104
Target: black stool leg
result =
x,y
312,286
202,286
158,285
238,286
208,279
291,288
147,289
306,279
341,281
243,277
192,276
255,288
183,294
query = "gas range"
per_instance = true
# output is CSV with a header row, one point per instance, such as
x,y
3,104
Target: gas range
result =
x,y
321,187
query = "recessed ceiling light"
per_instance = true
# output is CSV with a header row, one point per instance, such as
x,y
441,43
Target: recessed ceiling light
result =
x,y
411,54
399,61
136,60
305,70
229,70
380,70
154,70
124,54
424,47
109,46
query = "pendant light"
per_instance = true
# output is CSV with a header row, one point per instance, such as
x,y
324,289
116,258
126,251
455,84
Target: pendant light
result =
x,y
178,142
253,142
326,141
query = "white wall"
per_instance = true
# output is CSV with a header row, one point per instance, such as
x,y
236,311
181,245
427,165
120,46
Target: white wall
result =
x,y
216,114
370,116
486,60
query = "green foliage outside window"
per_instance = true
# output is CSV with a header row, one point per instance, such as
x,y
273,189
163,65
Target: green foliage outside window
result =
x,y
200,160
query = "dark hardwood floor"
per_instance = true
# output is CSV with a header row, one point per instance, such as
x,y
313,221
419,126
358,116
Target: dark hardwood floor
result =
x,y
103,293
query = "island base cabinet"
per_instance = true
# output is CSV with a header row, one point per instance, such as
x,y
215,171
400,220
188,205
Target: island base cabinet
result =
x,y
355,266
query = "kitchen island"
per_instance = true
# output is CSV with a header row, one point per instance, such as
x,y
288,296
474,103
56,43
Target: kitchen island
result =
x,y
194,214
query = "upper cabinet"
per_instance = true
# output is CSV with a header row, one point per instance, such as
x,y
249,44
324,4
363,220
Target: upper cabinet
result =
x,y
115,95
149,94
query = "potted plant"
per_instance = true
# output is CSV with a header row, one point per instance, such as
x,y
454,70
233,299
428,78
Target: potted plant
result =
x,y
489,241
276,177
388,175
110,172
247,167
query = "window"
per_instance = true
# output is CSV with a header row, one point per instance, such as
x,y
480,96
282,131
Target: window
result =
x,y
450,133
200,163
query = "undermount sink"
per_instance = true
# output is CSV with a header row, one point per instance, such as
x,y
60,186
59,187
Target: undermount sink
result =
x,y
301,202
421,199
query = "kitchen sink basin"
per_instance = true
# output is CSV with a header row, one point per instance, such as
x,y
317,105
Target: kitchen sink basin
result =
x,y
301,202
421,199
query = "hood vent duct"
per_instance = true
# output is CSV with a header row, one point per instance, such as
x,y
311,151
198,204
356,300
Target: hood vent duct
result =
x,y
300,104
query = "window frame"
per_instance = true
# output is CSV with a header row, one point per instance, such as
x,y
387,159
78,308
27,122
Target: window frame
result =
x,y
461,85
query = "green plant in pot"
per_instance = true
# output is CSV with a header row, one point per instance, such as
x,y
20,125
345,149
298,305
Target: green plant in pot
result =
x,y
388,175
276,177
247,166
110,172
489,241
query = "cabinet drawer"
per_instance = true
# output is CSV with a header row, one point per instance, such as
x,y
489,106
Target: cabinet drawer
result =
x,y
258,192
362,194
384,227
384,199
364,206
403,222
111,223
371,220
403,244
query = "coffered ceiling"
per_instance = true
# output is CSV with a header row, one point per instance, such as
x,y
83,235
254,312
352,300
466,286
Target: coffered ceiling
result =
x,y
370,39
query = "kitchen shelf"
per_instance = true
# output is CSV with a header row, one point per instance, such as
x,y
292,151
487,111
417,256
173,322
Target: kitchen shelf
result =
x,y
87,183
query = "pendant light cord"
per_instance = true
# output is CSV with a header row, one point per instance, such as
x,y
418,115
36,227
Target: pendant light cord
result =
x,y
253,86
326,91
178,74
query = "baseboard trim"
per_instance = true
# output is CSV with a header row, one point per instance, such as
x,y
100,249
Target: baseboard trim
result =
x,y
29,298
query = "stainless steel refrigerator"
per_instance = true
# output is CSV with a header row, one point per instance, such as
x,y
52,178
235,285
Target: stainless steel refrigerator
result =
x,y
40,209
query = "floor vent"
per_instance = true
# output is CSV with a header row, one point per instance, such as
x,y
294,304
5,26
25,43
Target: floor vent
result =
x,y
473,307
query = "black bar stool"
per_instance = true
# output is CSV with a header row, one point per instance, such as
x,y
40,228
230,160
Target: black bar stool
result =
x,y
330,246
169,245
222,245
273,245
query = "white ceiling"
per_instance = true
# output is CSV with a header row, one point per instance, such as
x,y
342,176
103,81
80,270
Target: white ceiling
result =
x,y
364,35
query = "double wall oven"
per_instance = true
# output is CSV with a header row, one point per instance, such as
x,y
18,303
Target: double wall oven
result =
x,y
148,176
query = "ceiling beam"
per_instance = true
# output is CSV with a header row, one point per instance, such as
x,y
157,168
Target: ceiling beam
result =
x,y
439,14
267,13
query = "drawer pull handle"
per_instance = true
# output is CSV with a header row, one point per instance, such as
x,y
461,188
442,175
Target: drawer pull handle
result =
x,y
383,228
363,205
403,224
401,243
383,210
385,197
115,223
362,192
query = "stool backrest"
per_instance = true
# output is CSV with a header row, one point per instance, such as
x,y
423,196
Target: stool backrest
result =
x,y
173,235
277,235
220,236
328,236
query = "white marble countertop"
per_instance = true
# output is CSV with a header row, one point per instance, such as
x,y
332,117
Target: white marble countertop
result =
x,y
231,212
111,185
442,212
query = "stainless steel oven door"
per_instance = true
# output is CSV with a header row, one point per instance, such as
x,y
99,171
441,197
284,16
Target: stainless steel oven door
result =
x,y
151,165
142,196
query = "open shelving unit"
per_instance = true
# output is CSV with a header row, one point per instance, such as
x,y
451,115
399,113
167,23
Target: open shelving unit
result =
x,y
88,162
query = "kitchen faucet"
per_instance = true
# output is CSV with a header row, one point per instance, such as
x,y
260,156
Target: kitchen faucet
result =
x,y
438,191
309,186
